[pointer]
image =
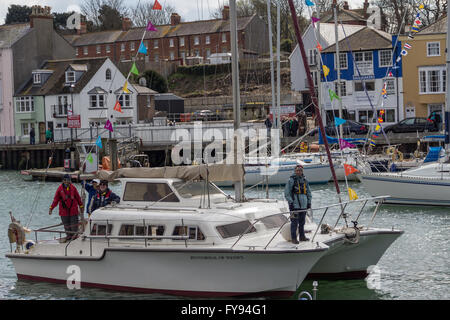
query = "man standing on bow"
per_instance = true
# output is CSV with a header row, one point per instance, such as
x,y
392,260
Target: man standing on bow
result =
x,y
298,196
70,206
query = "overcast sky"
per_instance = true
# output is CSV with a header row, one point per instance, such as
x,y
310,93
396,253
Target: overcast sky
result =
x,y
189,10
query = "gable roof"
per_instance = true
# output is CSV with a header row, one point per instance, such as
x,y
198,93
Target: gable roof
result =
x,y
351,15
440,26
56,82
10,33
367,38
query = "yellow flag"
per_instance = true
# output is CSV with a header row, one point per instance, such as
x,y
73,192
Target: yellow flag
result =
x,y
326,71
352,194
125,87
421,6
377,127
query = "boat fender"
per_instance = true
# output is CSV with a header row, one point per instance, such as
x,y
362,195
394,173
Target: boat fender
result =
x,y
352,234
29,244
16,233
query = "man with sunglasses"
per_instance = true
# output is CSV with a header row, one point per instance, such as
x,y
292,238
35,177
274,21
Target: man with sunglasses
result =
x,y
104,196
298,196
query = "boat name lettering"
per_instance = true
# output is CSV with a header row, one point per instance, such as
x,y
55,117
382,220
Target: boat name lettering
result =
x,y
217,257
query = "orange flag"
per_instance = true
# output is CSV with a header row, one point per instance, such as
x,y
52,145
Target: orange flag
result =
x,y
156,6
319,47
118,107
349,169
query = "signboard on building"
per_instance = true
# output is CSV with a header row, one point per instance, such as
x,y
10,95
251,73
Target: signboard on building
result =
x,y
285,111
74,121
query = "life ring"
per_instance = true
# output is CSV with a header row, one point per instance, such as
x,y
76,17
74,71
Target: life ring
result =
x,y
16,233
390,150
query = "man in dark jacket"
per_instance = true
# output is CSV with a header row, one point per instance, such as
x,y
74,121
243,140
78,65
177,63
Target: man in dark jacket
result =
x,y
32,135
92,191
298,196
69,201
104,196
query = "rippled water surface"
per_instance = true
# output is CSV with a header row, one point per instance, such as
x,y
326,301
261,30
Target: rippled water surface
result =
x,y
416,266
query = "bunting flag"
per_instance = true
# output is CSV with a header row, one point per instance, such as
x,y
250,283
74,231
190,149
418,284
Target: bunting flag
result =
x,y
344,144
156,6
390,74
314,20
99,142
134,70
339,121
326,70
380,120
404,52
352,194
407,46
90,158
383,92
382,112
378,127
410,36
398,59
372,143
349,169
333,95
142,48
150,27
118,107
414,29
108,126
309,3
417,22
125,87
421,6
319,47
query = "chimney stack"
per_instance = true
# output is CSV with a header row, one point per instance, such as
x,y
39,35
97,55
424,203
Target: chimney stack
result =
x,y
226,13
126,24
366,5
175,19
346,7
38,13
83,28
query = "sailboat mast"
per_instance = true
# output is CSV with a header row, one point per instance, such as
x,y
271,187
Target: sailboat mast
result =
x,y
313,94
447,91
272,76
338,64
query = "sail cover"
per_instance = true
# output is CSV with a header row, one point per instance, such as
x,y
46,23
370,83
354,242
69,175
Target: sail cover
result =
x,y
215,172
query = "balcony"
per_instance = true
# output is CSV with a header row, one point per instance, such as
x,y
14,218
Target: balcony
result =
x,y
59,111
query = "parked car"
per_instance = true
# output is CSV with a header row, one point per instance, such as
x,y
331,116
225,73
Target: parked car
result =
x,y
348,127
205,115
411,125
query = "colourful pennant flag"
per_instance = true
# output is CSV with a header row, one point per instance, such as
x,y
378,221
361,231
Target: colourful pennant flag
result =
x,y
410,36
372,143
99,142
125,87
326,70
418,22
349,169
309,3
382,112
398,59
142,48
156,6
345,144
314,20
414,29
378,127
352,194
134,70
339,121
150,27
380,120
407,46
390,74
90,158
108,125
404,53
319,47
421,6
383,92
333,95
118,107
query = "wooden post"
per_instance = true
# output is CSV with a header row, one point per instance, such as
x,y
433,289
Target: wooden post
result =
x,y
113,153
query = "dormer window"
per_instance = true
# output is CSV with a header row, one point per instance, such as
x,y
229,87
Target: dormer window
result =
x,y
36,78
70,77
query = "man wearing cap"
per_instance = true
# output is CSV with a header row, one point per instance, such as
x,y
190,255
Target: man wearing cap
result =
x,y
104,196
92,191
298,196
70,205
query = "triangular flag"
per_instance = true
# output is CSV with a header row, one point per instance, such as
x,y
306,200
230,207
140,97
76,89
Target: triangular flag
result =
x,y
349,169
380,120
150,27
108,125
421,6
352,194
118,107
344,144
390,74
309,3
99,142
134,70
377,127
339,121
89,158
125,87
383,92
319,47
156,6
333,95
142,48
326,70
314,20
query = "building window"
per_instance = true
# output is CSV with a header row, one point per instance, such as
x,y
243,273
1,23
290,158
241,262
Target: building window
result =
x,y
171,43
76,51
183,55
343,92
312,57
132,46
365,116
108,48
208,52
124,100
156,57
387,116
155,44
385,58
207,39
432,80
182,42
390,86
122,47
315,78
363,63
24,104
70,76
433,49
370,86
108,74
197,52
26,128
224,37
224,49
96,101
62,106
172,55
36,78
196,40
85,51
343,63
99,49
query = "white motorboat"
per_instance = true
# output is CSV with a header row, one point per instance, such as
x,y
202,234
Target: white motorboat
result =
x,y
189,239
428,185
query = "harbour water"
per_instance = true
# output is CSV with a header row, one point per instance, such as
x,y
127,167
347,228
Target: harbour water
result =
x,y
416,266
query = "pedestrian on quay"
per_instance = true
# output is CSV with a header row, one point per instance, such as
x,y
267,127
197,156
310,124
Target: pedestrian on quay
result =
x,y
70,206
32,135
104,196
91,189
268,124
298,196
48,135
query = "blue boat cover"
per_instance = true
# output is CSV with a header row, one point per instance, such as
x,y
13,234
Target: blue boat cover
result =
x,y
332,140
433,154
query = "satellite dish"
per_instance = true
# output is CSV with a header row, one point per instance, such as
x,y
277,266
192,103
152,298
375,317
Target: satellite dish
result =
x,y
143,82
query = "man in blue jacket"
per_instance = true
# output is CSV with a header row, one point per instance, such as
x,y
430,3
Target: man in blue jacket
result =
x,y
104,196
298,196
92,191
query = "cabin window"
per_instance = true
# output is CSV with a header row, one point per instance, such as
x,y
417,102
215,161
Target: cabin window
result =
x,y
141,230
99,229
235,229
126,230
141,191
193,232
274,221
192,189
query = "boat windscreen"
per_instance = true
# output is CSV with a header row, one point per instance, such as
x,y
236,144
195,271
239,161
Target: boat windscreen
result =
x,y
195,188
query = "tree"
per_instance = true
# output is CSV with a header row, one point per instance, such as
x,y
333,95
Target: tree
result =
x,y
17,13
110,18
155,81
143,13
91,10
